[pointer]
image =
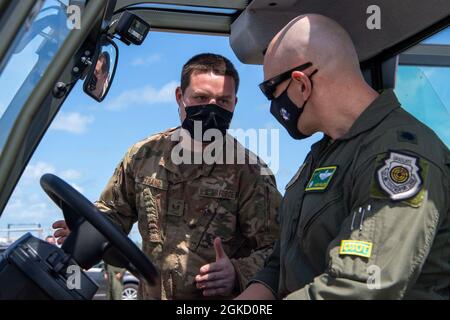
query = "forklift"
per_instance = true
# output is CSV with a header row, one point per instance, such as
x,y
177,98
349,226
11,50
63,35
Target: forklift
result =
x,y
79,43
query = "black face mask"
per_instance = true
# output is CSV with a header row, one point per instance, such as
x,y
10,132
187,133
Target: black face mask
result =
x,y
211,116
287,113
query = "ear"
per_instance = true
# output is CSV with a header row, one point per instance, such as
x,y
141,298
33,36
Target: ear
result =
x,y
178,95
305,83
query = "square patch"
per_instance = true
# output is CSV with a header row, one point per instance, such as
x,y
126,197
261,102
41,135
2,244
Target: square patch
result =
x,y
321,178
176,207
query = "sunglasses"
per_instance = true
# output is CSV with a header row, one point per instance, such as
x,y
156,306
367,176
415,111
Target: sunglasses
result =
x,y
268,87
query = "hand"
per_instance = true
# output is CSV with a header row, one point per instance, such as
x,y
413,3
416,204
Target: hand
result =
x,y
218,278
119,276
62,231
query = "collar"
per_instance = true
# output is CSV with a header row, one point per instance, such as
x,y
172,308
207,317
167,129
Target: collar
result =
x,y
195,170
379,109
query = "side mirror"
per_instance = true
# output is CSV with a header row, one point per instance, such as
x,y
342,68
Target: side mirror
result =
x,y
102,71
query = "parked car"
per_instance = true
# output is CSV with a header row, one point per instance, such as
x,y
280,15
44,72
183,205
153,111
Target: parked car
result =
x,y
130,283
3,247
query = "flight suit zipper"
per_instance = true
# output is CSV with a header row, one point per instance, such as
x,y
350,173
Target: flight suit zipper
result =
x,y
319,213
311,167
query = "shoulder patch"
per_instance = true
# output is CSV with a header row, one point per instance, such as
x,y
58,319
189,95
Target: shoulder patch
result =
x,y
400,178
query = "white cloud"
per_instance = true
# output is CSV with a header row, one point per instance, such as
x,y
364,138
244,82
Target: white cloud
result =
x,y
144,96
30,204
146,61
70,174
30,209
72,122
77,187
35,171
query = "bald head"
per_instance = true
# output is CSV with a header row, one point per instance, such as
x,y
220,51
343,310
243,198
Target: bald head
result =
x,y
340,93
312,38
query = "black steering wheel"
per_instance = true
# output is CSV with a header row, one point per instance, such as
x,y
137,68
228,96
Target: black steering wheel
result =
x,y
93,233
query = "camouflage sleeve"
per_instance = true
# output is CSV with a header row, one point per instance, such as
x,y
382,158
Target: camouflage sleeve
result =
x,y
115,270
259,200
117,199
384,255
269,276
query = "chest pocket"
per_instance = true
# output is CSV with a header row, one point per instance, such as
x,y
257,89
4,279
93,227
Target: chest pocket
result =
x,y
214,216
151,201
321,221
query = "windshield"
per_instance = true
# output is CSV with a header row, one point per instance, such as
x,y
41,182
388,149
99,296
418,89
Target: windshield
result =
x,y
422,88
29,57
423,92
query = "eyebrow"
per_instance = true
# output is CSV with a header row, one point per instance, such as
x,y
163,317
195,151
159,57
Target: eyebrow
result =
x,y
198,92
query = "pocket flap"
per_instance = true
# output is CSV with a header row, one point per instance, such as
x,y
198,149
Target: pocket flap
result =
x,y
153,182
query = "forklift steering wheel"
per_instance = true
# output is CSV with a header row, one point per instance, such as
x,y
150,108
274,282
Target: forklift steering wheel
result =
x,y
78,210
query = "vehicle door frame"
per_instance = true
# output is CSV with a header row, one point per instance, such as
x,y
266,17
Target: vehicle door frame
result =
x,y
42,106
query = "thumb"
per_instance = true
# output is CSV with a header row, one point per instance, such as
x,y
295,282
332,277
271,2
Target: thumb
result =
x,y
220,253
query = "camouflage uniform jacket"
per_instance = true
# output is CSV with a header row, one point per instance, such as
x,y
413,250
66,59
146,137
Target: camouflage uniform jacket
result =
x,y
181,209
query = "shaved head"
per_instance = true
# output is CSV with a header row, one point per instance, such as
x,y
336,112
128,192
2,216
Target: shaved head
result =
x,y
312,38
339,94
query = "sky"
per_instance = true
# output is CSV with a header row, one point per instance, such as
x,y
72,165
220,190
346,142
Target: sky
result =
x,y
88,139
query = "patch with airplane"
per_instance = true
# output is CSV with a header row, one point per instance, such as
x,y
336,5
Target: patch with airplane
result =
x,y
321,178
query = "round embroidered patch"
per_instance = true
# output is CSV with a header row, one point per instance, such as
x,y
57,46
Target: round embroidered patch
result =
x,y
399,176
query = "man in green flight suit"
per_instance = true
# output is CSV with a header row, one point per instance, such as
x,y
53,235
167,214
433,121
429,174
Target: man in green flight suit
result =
x,y
367,214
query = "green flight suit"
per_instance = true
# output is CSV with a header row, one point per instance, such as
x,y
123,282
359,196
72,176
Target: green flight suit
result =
x,y
367,215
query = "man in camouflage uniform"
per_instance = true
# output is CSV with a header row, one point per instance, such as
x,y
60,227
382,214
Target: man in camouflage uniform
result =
x,y
367,215
114,280
207,227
